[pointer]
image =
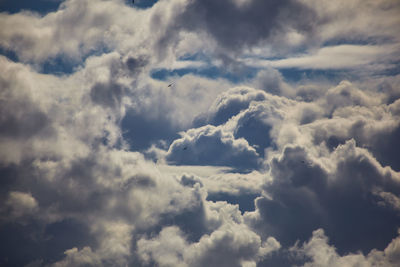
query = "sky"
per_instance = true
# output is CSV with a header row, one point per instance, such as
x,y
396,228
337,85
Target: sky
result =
x,y
200,133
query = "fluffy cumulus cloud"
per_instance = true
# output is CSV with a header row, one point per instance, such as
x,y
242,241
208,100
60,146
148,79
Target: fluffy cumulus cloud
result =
x,y
231,244
322,254
199,133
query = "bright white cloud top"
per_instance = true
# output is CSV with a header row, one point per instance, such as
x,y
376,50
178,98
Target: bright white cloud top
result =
x,y
200,133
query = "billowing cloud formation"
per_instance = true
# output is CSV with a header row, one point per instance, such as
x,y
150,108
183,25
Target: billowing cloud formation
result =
x,y
231,245
347,198
321,254
212,146
200,133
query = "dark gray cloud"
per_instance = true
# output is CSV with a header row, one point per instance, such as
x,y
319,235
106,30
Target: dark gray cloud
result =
x,y
253,126
22,119
108,95
234,25
27,232
318,252
303,197
192,222
135,65
385,147
381,141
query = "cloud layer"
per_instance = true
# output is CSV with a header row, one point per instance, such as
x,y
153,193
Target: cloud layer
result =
x,y
200,133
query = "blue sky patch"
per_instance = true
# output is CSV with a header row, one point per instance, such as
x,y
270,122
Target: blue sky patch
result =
x,y
296,74
40,6
209,72
142,3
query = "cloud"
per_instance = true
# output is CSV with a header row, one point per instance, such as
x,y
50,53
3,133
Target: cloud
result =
x,y
347,23
362,116
249,23
49,119
256,123
230,103
79,29
107,94
157,113
230,245
304,196
109,162
234,101
117,195
345,57
77,182
22,118
197,145
107,193
216,179
272,81
322,254
345,94
33,36
76,257
20,204
165,250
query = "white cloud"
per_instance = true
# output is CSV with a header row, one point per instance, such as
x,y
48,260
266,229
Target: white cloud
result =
x,y
322,254
75,257
231,244
210,145
21,204
335,57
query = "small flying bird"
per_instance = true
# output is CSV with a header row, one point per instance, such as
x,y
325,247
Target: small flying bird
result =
x,y
185,148
169,85
306,162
